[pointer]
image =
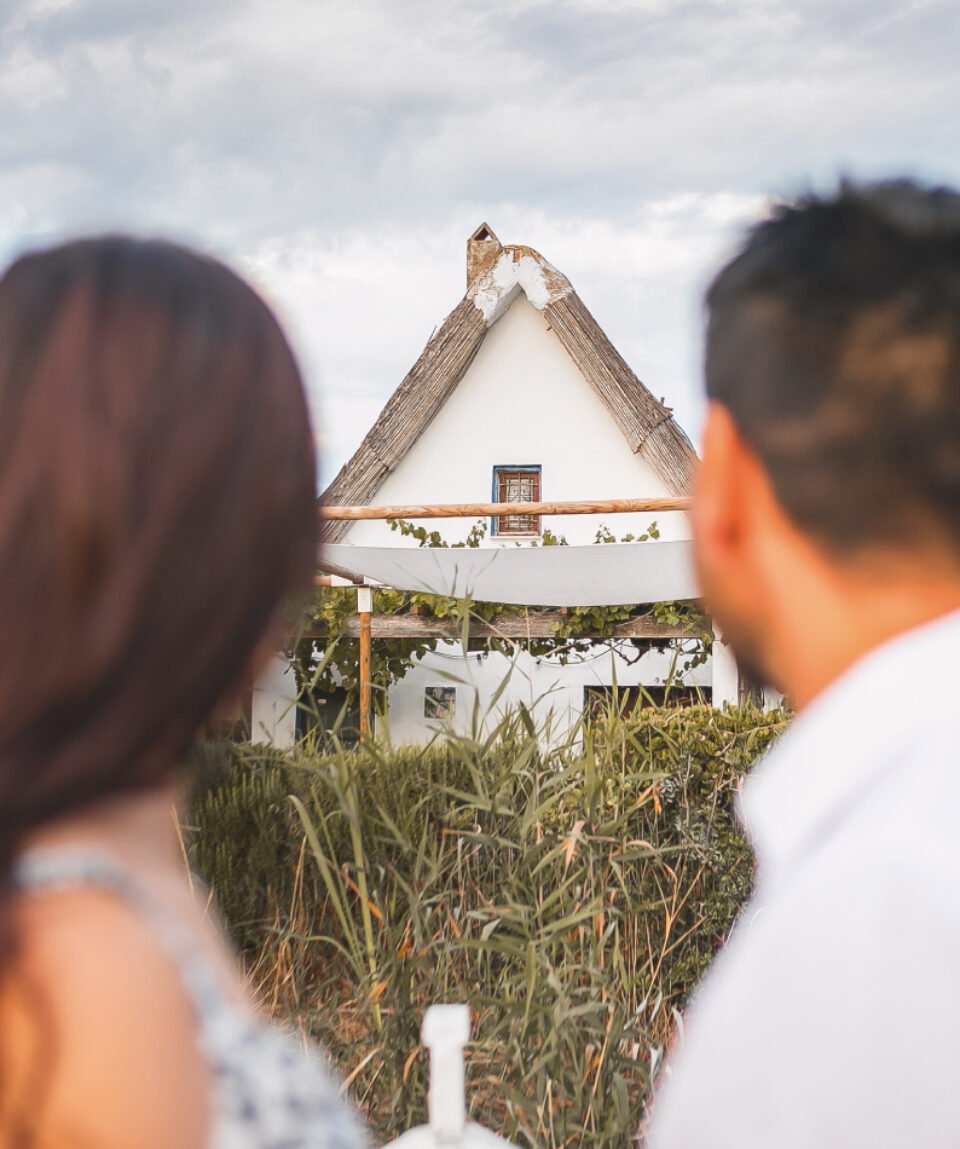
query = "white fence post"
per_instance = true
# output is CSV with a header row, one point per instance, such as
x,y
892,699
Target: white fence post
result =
x,y
446,1030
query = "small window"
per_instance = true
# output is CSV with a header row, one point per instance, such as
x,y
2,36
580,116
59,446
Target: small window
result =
x,y
516,485
439,701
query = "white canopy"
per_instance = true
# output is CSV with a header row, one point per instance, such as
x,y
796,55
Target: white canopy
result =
x,y
604,574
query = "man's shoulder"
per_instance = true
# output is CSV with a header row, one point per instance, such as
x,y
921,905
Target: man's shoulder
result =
x,y
870,871
798,1034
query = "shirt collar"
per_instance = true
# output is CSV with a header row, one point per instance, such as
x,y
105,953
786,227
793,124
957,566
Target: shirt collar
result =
x,y
847,737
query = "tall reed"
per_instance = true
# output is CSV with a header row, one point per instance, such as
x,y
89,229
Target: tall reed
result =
x,y
571,895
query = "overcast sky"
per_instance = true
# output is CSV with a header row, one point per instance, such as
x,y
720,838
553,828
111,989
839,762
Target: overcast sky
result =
x,y
341,151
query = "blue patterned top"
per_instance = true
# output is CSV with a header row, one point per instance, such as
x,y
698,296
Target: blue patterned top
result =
x,y
270,1091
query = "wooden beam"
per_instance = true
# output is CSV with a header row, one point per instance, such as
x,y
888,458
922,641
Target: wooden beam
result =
x,y
340,572
482,510
537,626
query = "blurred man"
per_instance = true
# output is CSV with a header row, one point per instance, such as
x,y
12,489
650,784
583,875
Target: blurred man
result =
x,y
827,530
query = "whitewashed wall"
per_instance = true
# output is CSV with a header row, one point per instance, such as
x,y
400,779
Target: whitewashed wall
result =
x,y
554,693
273,715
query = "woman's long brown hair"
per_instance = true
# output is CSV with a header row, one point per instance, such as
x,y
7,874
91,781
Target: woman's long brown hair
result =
x,y
157,500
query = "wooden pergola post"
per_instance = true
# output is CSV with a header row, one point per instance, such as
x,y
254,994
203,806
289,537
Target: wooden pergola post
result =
x,y
365,611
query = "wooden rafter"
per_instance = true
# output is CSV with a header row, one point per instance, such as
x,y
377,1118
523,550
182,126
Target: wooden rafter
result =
x,y
512,627
471,510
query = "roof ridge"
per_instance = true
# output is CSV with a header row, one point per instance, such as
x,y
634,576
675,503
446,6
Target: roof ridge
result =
x,y
517,268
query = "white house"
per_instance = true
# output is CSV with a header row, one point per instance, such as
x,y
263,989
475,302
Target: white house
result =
x,y
518,396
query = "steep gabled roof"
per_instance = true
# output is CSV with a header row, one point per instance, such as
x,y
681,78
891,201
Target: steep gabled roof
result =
x,y
496,274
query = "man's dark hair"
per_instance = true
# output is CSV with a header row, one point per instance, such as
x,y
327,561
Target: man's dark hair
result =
x,y
834,343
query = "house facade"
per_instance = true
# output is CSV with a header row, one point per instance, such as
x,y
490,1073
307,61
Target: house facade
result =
x,y
518,396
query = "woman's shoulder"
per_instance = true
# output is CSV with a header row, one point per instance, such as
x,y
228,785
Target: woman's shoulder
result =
x,y
98,1035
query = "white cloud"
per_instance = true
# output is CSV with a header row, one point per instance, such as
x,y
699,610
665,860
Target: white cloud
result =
x,y
343,152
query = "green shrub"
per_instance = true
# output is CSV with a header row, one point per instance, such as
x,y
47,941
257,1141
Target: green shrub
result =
x,y
572,896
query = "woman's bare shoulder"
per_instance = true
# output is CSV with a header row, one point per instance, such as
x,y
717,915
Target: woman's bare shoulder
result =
x,y
97,1035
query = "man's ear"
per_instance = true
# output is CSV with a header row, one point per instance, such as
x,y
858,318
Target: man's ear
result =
x,y
719,505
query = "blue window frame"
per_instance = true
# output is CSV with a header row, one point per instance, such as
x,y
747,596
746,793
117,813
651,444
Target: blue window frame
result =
x,y
516,483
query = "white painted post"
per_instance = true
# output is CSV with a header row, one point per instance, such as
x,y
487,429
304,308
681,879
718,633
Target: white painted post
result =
x,y
726,675
446,1030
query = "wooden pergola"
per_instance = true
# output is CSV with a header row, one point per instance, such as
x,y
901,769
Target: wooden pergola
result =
x,y
364,627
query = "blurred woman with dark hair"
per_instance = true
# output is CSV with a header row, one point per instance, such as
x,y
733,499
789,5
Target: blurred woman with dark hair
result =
x,y
157,502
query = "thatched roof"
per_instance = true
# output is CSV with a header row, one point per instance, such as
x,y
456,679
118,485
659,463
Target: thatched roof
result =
x,y
495,275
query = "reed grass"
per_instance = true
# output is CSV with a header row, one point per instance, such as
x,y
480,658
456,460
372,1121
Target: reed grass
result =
x,y
572,896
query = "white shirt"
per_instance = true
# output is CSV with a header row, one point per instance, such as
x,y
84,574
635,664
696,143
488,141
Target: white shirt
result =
x,y
832,1018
